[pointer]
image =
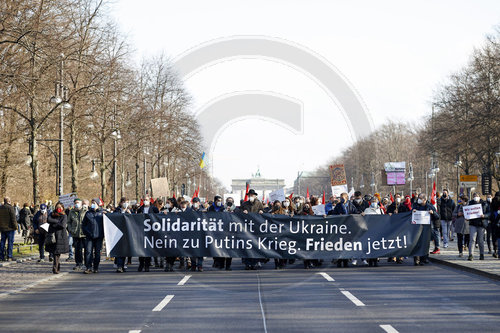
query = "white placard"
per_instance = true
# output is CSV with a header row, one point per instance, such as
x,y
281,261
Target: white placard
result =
x,y
338,190
45,226
319,210
277,195
421,217
473,211
68,199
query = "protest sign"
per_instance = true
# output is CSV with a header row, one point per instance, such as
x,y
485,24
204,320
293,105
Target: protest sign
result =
x,y
338,190
67,199
473,211
319,210
421,217
159,187
279,194
238,235
337,175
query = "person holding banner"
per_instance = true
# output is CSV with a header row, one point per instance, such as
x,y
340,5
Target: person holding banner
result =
x,y
146,208
423,205
374,209
93,229
216,206
252,205
123,208
477,227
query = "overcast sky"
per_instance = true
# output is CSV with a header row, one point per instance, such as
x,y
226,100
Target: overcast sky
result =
x,y
393,53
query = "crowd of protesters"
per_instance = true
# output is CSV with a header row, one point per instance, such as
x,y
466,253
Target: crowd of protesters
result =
x,y
78,230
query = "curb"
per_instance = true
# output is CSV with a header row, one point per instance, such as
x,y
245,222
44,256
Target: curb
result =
x,y
8,263
492,276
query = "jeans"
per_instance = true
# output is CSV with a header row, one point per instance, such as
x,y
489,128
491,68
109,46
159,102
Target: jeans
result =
x,y
7,236
480,239
120,262
41,244
445,226
93,249
435,236
196,262
461,241
490,237
79,245
70,242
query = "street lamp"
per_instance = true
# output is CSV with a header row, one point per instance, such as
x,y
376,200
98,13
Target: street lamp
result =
x,y
411,178
61,97
457,165
116,136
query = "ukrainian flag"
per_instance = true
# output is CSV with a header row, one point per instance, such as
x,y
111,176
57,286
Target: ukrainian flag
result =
x,y
202,161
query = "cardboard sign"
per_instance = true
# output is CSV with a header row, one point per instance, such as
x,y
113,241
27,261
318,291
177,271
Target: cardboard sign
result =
x,y
338,190
159,187
319,210
473,211
421,217
277,195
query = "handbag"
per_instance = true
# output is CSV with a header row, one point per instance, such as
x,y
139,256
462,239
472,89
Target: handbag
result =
x,y
50,238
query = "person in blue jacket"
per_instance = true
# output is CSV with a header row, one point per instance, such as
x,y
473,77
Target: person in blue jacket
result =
x,y
93,229
423,205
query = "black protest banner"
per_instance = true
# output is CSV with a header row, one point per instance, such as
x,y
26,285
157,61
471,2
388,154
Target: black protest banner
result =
x,y
238,235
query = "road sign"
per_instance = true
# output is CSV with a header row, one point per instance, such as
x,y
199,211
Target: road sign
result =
x,y
468,178
486,183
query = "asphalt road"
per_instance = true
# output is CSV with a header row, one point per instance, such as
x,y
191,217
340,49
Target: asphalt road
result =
x,y
389,298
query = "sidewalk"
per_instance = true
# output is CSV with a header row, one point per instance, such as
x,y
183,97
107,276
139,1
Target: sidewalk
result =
x,y
489,267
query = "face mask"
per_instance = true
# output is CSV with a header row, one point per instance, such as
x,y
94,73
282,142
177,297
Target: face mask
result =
x,y
420,201
219,203
252,199
44,210
286,204
59,210
78,206
196,205
488,199
183,209
476,199
398,200
445,195
146,202
374,205
297,203
167,206
125,205
358,201
85,206
93,206
229,203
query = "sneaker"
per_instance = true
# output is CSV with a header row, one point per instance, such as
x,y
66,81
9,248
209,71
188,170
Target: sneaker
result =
x,y
95,271
495,255
354,262
445,246
365,262
50,259
76,268
9,259
69,259
481,257
200,269
125,267
87,271
119,270
40,260
470,258
460,255
436,251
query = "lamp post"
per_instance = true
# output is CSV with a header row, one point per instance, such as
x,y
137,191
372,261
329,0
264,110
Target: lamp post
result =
x,y
116,136
61,97
458,164
411,178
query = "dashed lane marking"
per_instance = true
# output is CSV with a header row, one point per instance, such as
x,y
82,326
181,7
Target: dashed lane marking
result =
x,y
184,280
352,298
163,303
389,329
326,276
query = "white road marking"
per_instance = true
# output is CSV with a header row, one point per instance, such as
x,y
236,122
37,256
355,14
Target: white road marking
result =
x,y
34,284
352,298
326,276
261,307
184,280
163,303
389,329
134,331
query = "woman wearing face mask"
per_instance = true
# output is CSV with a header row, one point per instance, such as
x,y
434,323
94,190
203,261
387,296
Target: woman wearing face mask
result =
x,y
461,225
477,227
93,229
57,225
277,209
374,209
216,206
123,208
39,219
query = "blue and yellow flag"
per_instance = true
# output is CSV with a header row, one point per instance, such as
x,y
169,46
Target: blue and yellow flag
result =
x,y
202,161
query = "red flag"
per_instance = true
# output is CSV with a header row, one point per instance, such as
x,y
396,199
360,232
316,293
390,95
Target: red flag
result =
x,y
307,195
195,194
323,202
174,196
101,203
433,194
392,198
263,197
267,201
290,196
246,193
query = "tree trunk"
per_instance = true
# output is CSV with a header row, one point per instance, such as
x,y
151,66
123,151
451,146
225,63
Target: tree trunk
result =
x,y
103,175
34,166
74,162
137,177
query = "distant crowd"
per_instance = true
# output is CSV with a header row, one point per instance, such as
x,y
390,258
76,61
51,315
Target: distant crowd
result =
x,y
78,230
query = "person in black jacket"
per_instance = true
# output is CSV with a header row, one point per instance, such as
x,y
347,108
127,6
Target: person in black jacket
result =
x,y
146,208
8,227
446,207
423,205
495,221
93,229
476,226
57,225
